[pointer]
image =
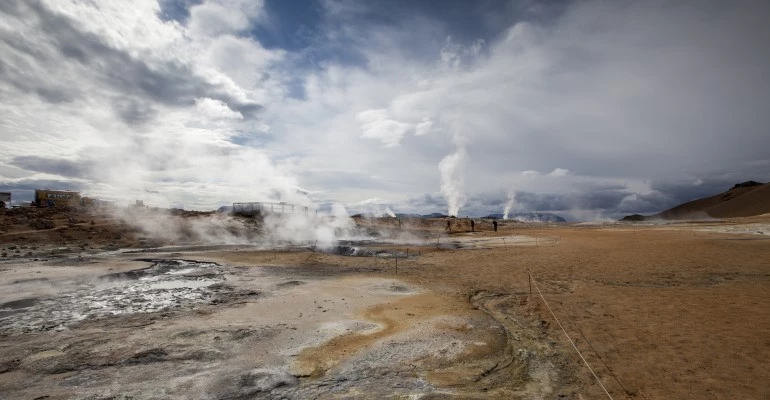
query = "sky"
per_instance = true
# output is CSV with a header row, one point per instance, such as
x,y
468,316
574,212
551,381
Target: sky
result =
x,y
587,109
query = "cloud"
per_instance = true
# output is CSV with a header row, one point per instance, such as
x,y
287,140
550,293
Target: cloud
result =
x,y
213,19
631,100
215,109
556,173
29,185
423,127
454,55
133,111
380,125
559,172
377,124
54,166
150,119
62,51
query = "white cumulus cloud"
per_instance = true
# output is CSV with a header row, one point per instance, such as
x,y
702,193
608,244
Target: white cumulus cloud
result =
x,y
377,124
559,172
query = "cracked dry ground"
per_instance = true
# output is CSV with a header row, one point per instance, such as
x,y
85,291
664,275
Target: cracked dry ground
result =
x,y
657,312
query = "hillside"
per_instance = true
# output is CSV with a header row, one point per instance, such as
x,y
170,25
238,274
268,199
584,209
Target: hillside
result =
x,y
751,203
742,200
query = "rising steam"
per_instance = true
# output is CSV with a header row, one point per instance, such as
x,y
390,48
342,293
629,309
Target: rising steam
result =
x,y
453,179
322,229
511,202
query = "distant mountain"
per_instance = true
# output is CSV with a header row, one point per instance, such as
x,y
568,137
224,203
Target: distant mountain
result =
x,y
742,200
406,215
434,215
529,217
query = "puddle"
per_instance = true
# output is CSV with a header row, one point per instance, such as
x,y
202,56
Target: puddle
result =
x,y
16,306
165,285
393,289
162,267
352,250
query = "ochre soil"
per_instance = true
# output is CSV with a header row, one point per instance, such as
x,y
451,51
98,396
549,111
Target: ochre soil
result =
x,y
658,312
671,311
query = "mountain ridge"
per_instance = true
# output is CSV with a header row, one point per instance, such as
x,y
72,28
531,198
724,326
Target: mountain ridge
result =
x,y
745,199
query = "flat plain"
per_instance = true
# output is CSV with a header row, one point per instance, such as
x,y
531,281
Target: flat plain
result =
x,y
674,310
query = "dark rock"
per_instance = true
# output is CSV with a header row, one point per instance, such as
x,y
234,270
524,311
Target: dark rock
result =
x,y
290,284
249,384
633,218
9,365
147,357
42,224
206,355
747,184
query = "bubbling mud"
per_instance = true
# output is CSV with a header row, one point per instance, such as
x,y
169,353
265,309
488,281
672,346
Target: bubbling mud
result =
x,y
166,285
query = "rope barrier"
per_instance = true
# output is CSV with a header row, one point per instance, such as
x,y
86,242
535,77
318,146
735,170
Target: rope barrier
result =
x,y
594,350
568,338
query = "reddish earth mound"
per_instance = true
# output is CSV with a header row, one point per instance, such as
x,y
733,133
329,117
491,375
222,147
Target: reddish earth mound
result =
x,y
742,200
755,201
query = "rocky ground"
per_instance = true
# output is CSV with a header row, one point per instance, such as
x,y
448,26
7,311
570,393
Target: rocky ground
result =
x,y
658,311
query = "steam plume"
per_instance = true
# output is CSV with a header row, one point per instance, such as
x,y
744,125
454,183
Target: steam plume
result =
x,y
274,229
511,202
324,229
453,179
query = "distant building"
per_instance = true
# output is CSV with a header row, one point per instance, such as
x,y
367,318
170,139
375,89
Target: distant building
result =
x,y
96,203
56,198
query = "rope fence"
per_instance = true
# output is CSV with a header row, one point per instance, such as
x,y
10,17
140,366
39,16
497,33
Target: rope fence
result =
x,y
567,335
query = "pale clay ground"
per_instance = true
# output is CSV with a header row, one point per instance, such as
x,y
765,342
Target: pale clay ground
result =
x,y
673,311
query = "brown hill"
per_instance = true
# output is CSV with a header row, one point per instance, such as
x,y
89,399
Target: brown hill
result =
x,y
742,200
751,203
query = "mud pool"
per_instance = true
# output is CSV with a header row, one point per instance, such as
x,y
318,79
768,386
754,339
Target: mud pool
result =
x,y
167,284
199,327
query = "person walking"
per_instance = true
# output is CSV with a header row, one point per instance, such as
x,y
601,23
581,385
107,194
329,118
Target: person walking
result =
x,y
473,226
494,223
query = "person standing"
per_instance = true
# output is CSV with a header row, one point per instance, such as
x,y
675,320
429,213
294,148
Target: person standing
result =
x,y
494,223
473,226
